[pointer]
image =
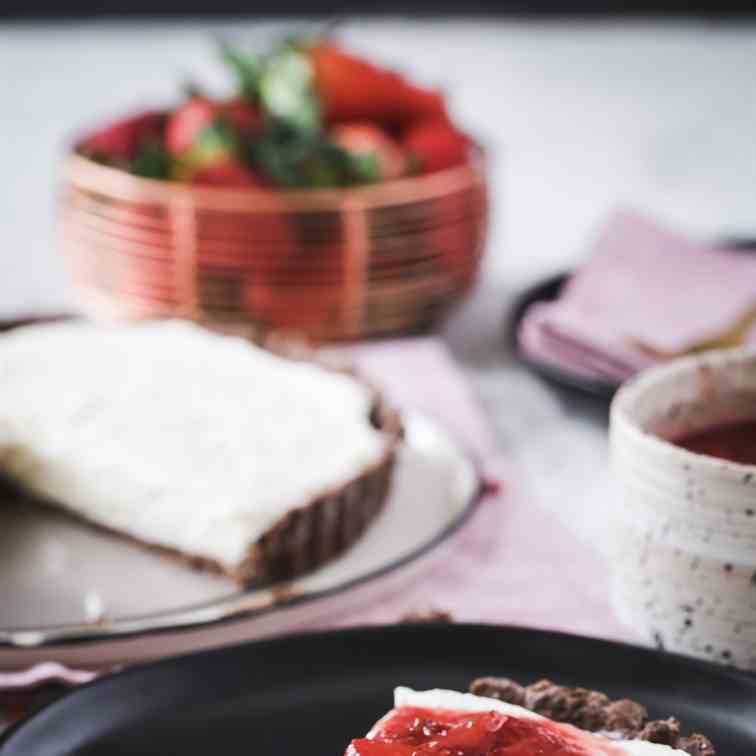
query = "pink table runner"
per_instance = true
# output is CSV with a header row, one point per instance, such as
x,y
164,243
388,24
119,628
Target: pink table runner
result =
x,y
513,563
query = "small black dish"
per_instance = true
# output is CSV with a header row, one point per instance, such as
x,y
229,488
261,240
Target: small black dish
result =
x,y
547,290
311,694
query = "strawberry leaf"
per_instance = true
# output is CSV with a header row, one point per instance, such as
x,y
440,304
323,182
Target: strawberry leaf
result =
x,y
152,161
365,169
292,159
287,90
247,68
219,137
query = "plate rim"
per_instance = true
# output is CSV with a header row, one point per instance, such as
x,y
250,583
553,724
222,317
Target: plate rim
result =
x,y
59,636
522,631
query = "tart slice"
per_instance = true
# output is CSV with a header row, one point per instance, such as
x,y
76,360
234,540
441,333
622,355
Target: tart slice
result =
x,y
447,723
199,445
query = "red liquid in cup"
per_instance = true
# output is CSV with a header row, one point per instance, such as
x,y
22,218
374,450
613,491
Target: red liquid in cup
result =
x,y
735,442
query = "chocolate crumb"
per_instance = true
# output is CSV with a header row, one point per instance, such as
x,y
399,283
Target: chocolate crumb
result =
x,y
625,716
500,688
592,711
696,745
583,708
662,731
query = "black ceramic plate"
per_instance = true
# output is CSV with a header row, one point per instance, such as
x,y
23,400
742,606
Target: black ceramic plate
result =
x,y
547,290
310,694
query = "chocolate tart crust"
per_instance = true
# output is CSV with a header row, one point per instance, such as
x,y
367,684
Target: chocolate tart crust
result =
x,y
593,711
307,537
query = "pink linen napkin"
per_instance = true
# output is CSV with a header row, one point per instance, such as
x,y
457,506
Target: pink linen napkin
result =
x,y
644,293
512,562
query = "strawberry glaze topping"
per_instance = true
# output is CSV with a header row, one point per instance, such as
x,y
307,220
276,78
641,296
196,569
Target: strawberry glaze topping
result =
x,y
411,731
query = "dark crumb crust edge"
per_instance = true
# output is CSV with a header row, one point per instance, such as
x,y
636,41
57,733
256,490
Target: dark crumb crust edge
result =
x,y
593,711
309,536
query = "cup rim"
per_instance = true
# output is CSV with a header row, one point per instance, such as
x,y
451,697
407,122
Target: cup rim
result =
x,y
648,380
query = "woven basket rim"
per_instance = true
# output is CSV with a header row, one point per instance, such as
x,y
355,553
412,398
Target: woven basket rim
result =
x,y
89,175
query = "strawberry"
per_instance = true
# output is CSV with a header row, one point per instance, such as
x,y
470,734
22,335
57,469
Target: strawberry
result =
x,y
225,171
214,143
366,140
436,145
241,114
351,89
121,140
187,123
214,159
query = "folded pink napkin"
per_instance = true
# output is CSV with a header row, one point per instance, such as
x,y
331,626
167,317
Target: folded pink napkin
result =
x,y
645,293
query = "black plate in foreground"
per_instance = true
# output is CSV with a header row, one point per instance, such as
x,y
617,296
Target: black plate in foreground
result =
x,y
310,694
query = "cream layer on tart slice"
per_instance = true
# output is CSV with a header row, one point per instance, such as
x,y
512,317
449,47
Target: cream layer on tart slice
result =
x,y
176,436
448,723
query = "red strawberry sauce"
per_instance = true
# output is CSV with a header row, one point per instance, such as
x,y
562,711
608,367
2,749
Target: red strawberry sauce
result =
x,y
736,442
411,731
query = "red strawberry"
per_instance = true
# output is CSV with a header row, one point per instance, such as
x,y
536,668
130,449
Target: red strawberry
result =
x,y
226,171
241,114
352,89
187,123
121,140
436,145
365,139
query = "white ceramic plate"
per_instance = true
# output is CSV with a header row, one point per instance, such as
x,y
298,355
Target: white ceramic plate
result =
x,y
82,597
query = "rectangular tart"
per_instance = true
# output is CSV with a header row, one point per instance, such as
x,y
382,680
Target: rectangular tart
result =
x,y
193,443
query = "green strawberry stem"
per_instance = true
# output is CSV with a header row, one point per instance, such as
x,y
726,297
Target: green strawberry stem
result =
x,y
247,67
152,161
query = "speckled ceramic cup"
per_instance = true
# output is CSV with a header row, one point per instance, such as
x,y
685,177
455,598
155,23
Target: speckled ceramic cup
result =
x,y
683,540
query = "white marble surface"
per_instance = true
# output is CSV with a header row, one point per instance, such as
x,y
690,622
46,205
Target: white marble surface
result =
x,y
579,116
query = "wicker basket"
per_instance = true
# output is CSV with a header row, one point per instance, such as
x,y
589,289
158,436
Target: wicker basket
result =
x,y
326,264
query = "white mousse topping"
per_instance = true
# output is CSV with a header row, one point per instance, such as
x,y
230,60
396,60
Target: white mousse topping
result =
x,y
451,700
174,435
